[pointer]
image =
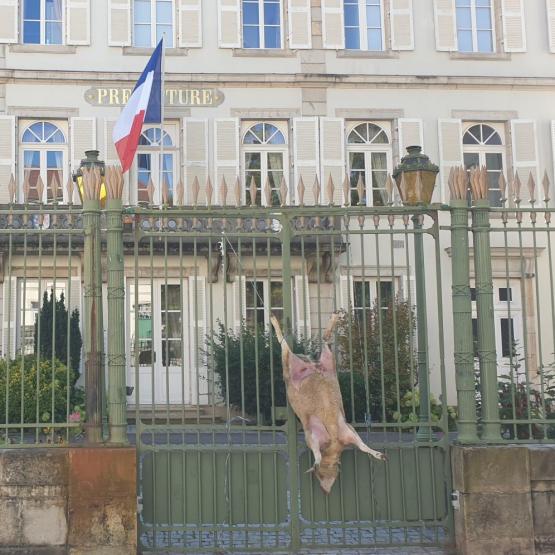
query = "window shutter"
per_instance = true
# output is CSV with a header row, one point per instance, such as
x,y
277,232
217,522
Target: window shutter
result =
x,y
300,24
411,133
333,31
7,155
302,307
450,150
9,320
195,157
226,156
229,23
550,6
73,298
305,155
446,25
332,156
197,304
514,28
190,23
83,138
8,21
345,293
239,305
119,23
78,22
402,28
111,157
525,149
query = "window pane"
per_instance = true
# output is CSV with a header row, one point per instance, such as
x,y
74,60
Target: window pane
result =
x,y
54,159
142,11
373,17
142,36
164,13
171,353
271,13
351,15
465,41
251,37
374,39
483,3
464,19
507,337
31,158
471,160
252,160
31,9
272,37
166,32
384,291
494,161
352,39
505,294
276,294
250,13
53,10
53,33
31,32
275,161
483,19
356,160
485,43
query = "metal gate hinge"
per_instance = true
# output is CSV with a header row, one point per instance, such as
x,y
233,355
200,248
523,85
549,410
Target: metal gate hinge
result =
x,y
455,500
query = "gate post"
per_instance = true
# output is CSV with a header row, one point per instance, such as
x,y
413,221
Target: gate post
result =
x,y
291,417
491,431
462,321
117,394
94,337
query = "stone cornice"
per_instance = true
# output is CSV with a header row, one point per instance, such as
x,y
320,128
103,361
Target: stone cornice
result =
x,y
239,80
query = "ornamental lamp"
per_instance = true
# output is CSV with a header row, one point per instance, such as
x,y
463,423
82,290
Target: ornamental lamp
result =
x,y
415,177
90,162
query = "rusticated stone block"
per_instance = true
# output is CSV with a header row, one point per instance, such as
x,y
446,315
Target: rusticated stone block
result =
x,y
543,504
34,467
9,521
542,463
44,522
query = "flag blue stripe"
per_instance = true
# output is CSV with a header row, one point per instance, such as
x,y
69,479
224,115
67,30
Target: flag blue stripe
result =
x,y
154,109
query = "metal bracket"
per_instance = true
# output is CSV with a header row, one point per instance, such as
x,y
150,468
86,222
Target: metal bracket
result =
x,y
455,500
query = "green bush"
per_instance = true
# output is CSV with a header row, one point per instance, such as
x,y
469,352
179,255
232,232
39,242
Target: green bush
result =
x,y
38,390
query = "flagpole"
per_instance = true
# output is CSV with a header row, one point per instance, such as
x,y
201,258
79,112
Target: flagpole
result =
x,y
162,106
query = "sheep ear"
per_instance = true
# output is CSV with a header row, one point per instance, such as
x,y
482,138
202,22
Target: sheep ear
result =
x,y
327,360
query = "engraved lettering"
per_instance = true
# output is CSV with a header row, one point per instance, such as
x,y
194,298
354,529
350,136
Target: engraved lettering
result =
x,y
114,96
195,97
102,94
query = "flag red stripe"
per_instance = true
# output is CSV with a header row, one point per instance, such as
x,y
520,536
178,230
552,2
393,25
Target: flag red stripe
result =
x,y
127,147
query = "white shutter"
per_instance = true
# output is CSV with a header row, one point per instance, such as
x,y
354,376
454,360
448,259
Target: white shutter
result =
x,y
514,28
550,7
73,298
446,25
110,156
300,24
226,156
190,23
195,157
78,22
302,307
402,27
10,320
345,301
411,133
197,304
450,150
525,149
333,31
119,23
8,21
83,138
239,304
229,23
7,155
306,155
332,157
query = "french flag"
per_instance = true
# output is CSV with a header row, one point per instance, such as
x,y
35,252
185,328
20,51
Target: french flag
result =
x,y
144,106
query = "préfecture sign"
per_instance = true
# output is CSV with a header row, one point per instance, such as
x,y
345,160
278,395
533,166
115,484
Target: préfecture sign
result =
x,y
179,97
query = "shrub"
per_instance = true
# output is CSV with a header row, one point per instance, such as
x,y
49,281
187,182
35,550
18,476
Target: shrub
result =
x,y
38,389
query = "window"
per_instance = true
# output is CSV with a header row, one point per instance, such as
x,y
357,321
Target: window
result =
x,y
43,22
262,24
152,20
475,31
363,24
370,292
263,298
44,154
265,159
152,165
483,146
369,153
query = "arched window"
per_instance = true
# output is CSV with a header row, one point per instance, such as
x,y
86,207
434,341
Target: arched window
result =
x,y
483,146
369,150
265,159
150,166
44,154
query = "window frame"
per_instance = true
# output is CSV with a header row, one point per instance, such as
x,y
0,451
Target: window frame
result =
x,y
42,21
363,28
266,308
153,24
474,29
261,25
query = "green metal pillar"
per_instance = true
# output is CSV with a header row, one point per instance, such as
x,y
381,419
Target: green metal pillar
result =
x,y
94,337
424,431
491,431
117,396
291,417
462,323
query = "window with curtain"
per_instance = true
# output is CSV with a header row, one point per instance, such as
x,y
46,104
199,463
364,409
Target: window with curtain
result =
x,y
363,24
43,22
475,31
369,158
262,24
44,151
153,19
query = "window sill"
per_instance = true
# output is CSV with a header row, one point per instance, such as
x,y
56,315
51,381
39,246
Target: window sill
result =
x,y
136,51
264,53
494,56
368,54
43,49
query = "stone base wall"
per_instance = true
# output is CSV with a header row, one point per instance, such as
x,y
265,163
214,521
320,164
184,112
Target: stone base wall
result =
x,y
506,499
73,501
